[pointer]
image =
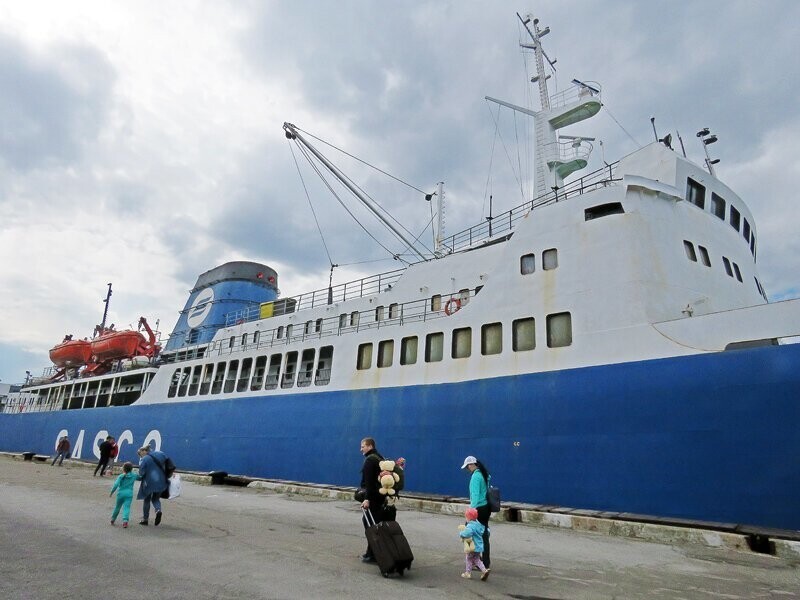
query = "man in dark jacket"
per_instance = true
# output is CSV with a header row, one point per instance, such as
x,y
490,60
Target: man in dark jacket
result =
x,y
62,450
369,482
105,454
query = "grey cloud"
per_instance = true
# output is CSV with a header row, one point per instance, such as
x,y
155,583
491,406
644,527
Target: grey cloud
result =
x,y
51,106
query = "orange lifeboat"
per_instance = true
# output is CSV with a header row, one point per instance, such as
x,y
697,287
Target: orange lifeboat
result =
x,y
116,344
71,353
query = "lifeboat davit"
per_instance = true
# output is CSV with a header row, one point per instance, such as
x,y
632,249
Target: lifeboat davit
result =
x,y
71,353
116,344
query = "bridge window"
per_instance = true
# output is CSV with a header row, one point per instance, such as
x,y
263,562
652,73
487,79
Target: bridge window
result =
x,y
735,218
559,330
287,380
194,382
695,193
603,210
258,373
737,272
205,384
230,379
727,264
219,377
271,381
306,373
746,231
704,255
717,206
690,253
244,376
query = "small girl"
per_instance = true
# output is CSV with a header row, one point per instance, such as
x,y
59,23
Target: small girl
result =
x,y
473,531
124,484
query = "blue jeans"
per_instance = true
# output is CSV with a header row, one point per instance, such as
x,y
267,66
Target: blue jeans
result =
x,y
62,455
155,498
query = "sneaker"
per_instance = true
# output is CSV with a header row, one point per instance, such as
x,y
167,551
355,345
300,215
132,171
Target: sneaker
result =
x,y
485,574
124,524
143,522
112,521
158,518
467,575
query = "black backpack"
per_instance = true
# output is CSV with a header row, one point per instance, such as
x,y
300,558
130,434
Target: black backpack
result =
x,y
169,467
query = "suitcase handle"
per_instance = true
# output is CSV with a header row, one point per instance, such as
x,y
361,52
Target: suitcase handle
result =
x,y
368,516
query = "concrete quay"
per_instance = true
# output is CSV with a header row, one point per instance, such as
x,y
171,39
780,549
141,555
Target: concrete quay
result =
x,y
287,540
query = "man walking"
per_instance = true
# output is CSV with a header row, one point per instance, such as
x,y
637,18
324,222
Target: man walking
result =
x,y
154,481
105,454
62,451
369,482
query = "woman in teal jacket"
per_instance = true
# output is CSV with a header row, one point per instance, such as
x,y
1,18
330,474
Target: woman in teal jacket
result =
x,y
124,488
478,488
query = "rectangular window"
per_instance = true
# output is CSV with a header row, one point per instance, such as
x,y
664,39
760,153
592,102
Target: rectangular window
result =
x,y
219,377
205,384
173,384
323,375
290,370
256,337
727,264
690,253
559,330
289,329
461,343
717,206
258,373
463,296
379,313
492,339
394,310
408,350
704,255
342,320
385,352
738,272
306,372
183,386
354,318
230,378
436,303
231,341
364,360
244,377
527,264
307,328
523,334
271,381
434,347
753,244
746,231
279,333
244,340
695,193
603,210
194,383
318,326
550,259
735,219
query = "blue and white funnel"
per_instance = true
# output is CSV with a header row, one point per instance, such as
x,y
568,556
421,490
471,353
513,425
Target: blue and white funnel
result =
x,y
231,287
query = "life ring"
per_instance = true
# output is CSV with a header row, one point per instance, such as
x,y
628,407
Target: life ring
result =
x,y
452,306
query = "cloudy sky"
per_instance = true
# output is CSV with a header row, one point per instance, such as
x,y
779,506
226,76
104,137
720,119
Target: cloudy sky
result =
x,y
141,142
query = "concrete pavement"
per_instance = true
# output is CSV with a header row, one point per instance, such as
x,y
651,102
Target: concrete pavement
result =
x,y
229,542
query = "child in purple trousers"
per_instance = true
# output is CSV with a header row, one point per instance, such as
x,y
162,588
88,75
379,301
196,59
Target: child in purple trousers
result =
x,y
473,532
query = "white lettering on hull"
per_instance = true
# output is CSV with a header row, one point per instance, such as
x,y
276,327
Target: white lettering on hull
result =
x,y
153,438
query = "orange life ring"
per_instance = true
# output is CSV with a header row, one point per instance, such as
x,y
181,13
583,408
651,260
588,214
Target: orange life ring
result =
x,y
453,306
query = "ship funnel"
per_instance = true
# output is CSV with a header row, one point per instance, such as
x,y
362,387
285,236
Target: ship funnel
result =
x,y
234,286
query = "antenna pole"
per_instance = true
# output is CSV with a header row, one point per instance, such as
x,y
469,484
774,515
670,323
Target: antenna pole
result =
x,y
653,123
292,133
105,310
439,217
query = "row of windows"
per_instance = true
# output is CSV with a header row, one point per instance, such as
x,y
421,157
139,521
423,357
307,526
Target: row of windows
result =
x,y
731,268
523,338
527,262
254,374
696,194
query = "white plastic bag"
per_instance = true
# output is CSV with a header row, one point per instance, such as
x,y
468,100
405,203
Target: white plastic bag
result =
x,y
174,486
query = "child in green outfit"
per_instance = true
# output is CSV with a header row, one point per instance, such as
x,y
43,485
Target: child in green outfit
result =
x,y
124,488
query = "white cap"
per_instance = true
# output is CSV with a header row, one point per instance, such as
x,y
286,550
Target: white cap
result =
x,y
470,460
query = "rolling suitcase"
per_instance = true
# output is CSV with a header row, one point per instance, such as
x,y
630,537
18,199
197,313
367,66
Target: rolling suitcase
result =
x,y
389,545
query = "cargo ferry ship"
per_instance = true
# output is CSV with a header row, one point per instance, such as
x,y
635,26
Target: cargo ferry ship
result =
x,y
607,345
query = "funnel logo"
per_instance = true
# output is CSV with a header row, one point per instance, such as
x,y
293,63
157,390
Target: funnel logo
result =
x,y
200,308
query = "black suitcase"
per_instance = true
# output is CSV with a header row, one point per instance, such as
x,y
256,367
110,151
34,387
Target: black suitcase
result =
x,y
389,545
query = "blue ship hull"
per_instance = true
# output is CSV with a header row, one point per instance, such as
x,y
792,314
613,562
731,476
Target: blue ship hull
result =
x,y
714,437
